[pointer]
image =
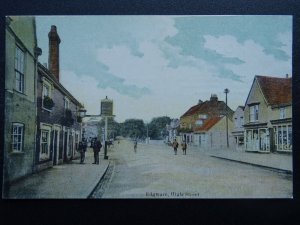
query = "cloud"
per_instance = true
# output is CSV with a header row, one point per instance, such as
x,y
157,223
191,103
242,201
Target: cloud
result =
x,y
256,60
190,38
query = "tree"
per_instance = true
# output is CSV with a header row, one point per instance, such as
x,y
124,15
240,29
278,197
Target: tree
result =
x,y
157,127
113,128
133,128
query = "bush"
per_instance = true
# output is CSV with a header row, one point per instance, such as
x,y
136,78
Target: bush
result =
x,y
48,102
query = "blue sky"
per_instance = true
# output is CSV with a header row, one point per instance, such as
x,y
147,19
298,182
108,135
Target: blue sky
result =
x,y
162,65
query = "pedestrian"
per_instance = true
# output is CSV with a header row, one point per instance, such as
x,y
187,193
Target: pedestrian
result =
x,y
135,145
96,147
82,149
184,146
175,146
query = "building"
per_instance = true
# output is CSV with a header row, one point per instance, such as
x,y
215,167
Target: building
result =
x,y
172,130
21,54
268,115
91,126
197,115
238,130
212,133
58,119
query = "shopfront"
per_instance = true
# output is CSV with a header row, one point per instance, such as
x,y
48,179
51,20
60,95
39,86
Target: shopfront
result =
x,y
257,139
283,137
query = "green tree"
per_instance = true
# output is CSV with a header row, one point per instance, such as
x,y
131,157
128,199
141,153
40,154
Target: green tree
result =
x,y
133,128
157,127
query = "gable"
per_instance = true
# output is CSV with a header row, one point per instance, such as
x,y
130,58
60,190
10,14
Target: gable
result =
x,y
255,94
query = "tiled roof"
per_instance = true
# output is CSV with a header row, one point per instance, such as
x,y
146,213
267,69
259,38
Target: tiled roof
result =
x,y
277,91
212,108
209,123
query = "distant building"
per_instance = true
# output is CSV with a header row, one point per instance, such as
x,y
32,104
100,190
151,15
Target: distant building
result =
x,y
172,130
58,121
238,130
90,126
21,54
268,115
197,115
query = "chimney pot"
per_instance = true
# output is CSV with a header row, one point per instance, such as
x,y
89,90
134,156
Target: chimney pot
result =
x,y
287,75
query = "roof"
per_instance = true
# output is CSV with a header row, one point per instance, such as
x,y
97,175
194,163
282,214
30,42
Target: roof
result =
x,y
57,83
209,123
214,108
277,91
242,107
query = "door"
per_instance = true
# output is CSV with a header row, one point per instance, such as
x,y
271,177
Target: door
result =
x,y
55,137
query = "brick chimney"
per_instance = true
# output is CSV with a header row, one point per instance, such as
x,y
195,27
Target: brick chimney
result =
x,y
53,60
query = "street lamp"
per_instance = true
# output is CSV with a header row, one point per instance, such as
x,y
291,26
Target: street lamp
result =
x,y
82,112
226,91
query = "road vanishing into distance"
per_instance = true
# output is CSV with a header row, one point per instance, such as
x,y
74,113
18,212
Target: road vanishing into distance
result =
x,y
154,171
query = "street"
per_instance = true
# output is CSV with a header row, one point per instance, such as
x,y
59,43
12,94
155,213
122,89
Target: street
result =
x,y
155,172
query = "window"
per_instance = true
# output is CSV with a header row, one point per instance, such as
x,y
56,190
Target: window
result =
x,y
241,121
236,123
67,103
282,113
46,90
44,144
199,122
253,113
19,69
202,116
283,137
17,137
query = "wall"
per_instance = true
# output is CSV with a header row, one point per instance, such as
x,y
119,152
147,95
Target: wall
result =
x,y
20,107
256,95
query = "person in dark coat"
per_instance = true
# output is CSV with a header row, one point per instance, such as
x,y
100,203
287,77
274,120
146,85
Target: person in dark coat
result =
x,y
82,149
96,147
175,146
184,146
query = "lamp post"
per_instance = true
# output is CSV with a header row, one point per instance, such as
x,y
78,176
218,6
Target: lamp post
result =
x,y
226,91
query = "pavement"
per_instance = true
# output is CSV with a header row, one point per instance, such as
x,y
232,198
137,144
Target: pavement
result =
x,y
70,180
276,161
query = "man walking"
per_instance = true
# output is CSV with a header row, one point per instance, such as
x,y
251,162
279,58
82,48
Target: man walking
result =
x,y
96,147
184,146
82,149
175,146
135,145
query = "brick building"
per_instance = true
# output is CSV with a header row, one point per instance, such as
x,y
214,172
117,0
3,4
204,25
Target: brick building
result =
x,y
197,115
58,121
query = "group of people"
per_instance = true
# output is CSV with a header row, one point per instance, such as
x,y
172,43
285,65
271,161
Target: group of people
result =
x,y
175,146
95,144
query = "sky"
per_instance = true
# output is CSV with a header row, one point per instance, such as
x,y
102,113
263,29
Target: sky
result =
x,y
152,66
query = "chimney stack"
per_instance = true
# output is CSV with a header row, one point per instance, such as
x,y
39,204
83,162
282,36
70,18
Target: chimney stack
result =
x,y
214,98
53,60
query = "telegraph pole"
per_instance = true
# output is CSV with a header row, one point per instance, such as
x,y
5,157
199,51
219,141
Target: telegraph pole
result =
x,y
226,91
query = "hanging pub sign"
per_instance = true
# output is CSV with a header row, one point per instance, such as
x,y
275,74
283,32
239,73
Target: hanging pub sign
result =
x,y
106,107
